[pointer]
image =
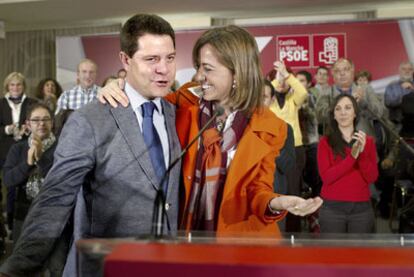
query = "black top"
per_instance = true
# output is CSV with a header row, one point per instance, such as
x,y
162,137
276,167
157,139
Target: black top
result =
x,y
407,108
6,141
16,173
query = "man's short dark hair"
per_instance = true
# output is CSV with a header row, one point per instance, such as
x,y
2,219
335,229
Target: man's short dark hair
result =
x,y
142,24
363,73
307,75
323,68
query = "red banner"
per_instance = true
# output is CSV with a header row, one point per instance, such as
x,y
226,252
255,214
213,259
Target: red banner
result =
x,y
327,48
297,50
294,50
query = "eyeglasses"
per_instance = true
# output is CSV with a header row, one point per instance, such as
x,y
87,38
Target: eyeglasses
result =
x,y
40,120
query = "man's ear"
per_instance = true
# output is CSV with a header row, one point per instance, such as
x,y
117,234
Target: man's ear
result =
x,y
125,59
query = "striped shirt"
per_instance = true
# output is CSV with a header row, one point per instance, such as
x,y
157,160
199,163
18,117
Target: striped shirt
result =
x,y
76,98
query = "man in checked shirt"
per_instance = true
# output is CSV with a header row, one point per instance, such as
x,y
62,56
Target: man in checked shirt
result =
x,y
84,92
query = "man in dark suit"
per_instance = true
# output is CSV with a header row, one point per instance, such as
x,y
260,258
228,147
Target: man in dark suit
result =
x,y
111,155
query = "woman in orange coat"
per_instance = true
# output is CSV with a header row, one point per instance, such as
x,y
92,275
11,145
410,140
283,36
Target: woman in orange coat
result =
x,y
228,175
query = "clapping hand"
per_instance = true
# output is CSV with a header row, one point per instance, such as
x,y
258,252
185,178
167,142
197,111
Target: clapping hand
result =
x,y
35,151
359,93
359,145
407,85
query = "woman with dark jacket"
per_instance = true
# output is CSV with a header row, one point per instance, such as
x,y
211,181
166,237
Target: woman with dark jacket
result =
x,y
13,108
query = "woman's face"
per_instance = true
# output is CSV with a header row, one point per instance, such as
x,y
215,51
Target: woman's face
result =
x,y
216,79
40,123
15,88
49,88
344,112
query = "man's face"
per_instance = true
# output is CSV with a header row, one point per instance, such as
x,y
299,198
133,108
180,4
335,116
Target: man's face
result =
x,y
343,74
86,74
151,70
406,72
322,76
302,79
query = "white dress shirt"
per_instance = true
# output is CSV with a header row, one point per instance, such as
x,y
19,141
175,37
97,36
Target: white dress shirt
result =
x,y
136,100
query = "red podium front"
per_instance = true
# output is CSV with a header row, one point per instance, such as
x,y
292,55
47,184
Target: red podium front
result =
x,y
228,259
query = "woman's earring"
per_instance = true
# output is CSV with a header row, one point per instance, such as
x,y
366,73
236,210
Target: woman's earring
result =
x,y
234,86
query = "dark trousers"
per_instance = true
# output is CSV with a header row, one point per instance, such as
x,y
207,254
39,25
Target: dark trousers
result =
x,y
295,180
346,217
310,172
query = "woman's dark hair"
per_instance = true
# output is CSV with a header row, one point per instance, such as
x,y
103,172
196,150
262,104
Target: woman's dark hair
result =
x,y
39,89
334,135
363,73
307,75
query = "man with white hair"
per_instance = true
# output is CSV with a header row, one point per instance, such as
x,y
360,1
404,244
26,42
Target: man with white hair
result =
x,y
396,90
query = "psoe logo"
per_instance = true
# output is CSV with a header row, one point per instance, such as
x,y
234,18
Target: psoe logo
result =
x,y
329,55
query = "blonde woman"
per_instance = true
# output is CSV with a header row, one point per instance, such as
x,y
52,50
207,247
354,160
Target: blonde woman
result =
x,y
13,108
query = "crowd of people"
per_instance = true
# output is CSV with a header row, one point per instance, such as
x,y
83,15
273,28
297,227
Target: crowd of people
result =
x,y
101,174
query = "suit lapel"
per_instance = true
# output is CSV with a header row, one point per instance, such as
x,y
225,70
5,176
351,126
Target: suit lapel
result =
x,y
129,128
174,145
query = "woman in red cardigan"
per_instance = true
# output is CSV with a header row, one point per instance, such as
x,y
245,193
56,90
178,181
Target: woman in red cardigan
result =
x,y
347,165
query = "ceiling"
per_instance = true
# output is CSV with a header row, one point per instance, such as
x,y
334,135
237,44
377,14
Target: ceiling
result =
x,y
46,14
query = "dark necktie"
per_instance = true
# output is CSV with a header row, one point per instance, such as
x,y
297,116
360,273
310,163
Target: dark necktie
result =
x,y
153,142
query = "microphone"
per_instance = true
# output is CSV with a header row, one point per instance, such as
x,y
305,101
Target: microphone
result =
x,y
388,126
160,201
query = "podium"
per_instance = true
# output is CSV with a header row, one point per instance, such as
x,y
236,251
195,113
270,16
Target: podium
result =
x,y
363,255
